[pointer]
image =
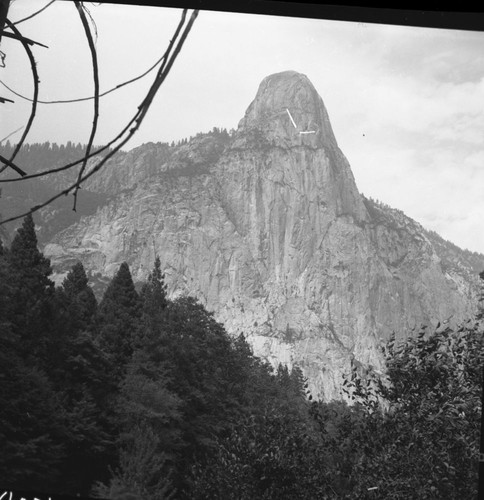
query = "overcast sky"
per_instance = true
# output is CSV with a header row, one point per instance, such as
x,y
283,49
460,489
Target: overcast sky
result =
x,y
406,103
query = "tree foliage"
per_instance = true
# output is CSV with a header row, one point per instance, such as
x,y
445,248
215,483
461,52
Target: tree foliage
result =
x,y
31,417
146,397
117,321
31,291
424,416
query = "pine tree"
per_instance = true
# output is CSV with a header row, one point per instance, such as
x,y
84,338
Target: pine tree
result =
x,y
147,412
28,261
206,373
31,421
32,291
78,370
77,361
82,304
154,302
153,292
118,319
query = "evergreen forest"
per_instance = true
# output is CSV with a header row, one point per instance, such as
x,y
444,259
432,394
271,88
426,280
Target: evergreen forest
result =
x,y
137,396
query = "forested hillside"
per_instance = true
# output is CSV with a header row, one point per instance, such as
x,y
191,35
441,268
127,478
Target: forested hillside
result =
x,y
138,396
120,174
19,197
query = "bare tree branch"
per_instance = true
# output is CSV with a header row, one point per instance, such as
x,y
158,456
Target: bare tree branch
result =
x,y
68,165
35,76
21,38
86,11
120,134
34,14
74,163
136,120
12,166
92,48
11,133
90,98
152,91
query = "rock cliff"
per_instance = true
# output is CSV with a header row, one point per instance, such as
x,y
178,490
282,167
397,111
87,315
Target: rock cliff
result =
x,y
267,228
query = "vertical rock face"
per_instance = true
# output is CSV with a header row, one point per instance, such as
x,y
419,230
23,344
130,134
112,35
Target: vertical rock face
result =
x,y
285,105
273,236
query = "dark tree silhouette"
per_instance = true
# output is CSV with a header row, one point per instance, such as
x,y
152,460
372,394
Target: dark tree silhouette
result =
x,y
118,320
32,292
82,303
153,297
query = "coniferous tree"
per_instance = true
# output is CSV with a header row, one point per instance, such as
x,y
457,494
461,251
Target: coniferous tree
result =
x,y
271,451
82,304
114,329
189,356
32,292
149,420
118,320
31,421
147,411
153,292
80,362
26,259
31,428
154,301
79,372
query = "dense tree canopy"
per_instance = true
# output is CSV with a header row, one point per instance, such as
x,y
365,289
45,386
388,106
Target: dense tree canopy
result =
x,y
146,397
424,416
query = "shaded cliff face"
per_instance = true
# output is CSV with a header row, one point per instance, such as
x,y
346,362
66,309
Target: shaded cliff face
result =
x,y
267,229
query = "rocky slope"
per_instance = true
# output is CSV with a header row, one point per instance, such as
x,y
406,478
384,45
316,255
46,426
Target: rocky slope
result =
x,y
267,228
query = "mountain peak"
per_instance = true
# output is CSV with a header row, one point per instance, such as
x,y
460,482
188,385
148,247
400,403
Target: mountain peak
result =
x,y
289,111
